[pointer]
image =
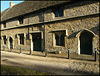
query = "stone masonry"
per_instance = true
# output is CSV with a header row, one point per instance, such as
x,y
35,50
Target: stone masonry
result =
x,y
77,18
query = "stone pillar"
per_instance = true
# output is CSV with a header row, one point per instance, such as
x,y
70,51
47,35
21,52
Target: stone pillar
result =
x,y
8,43
54,40
31,42
24,38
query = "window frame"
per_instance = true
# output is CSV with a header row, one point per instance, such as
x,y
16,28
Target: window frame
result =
x,y
59,44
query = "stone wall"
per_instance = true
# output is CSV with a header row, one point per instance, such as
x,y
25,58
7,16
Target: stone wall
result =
x,y
12,32
11,23
70,11
81,9
74,26
72,21
33,18
74,10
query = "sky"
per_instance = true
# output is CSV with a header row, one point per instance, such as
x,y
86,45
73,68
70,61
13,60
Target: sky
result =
x,y
5,4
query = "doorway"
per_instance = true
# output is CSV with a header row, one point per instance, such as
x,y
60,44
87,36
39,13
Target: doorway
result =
x,y
86,43
36,39
11,43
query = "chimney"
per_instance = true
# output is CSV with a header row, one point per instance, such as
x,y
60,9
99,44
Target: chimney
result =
x,y
11,4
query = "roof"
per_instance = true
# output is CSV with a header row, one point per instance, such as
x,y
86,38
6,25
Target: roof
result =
x,y
3,12
27,7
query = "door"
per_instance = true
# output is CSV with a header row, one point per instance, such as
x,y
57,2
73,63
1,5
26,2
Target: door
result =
x,y
86,43
37,42
11,43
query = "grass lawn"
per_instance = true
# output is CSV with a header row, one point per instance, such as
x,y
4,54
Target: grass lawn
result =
x,y
13,70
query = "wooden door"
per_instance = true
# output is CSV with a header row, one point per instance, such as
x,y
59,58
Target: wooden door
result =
x,y
37,42
86,43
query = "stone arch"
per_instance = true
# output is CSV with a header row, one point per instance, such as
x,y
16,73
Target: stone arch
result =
x,y
85,30
85,41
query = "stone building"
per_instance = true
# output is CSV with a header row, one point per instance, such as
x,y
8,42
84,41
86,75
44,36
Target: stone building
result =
x,y
52,25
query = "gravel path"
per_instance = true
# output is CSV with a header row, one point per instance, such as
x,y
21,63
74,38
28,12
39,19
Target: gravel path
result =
x,y
52,65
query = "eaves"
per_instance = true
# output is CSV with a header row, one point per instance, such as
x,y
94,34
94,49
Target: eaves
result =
x,y
48,22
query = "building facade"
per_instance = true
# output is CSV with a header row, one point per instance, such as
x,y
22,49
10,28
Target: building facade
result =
x,y
52,25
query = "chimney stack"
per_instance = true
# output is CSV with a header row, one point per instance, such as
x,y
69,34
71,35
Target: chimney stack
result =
x,y
11,4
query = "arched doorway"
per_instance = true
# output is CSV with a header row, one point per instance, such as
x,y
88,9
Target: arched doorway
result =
x,y
86,38
11,43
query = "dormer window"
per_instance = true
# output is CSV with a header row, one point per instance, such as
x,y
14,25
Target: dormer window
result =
x,y
58,12
20,20
4,25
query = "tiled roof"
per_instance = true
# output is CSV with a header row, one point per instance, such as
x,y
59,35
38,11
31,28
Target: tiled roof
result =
x,y
27,7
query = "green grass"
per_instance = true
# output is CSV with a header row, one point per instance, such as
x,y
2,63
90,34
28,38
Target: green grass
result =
x,y
13,70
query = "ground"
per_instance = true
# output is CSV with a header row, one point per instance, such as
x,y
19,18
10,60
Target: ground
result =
x,y
54,65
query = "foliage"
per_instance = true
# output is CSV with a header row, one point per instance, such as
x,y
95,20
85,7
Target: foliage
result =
x,y
13,70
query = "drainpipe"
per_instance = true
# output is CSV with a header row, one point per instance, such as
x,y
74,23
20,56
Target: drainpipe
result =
x,y
28,29
29,35
68,53
43,30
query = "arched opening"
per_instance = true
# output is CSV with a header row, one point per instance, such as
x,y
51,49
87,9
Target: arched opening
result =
x,y
86,38
11,43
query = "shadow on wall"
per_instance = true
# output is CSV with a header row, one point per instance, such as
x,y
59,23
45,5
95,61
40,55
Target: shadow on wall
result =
x,y
95,29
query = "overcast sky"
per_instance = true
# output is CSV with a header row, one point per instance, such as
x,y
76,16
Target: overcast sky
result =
x,y
6,4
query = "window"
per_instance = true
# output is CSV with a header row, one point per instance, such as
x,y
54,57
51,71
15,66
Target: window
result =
x,y
16,36
60,38
57,39
4,38
58,12
0,38
4,25
20,20
21,39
